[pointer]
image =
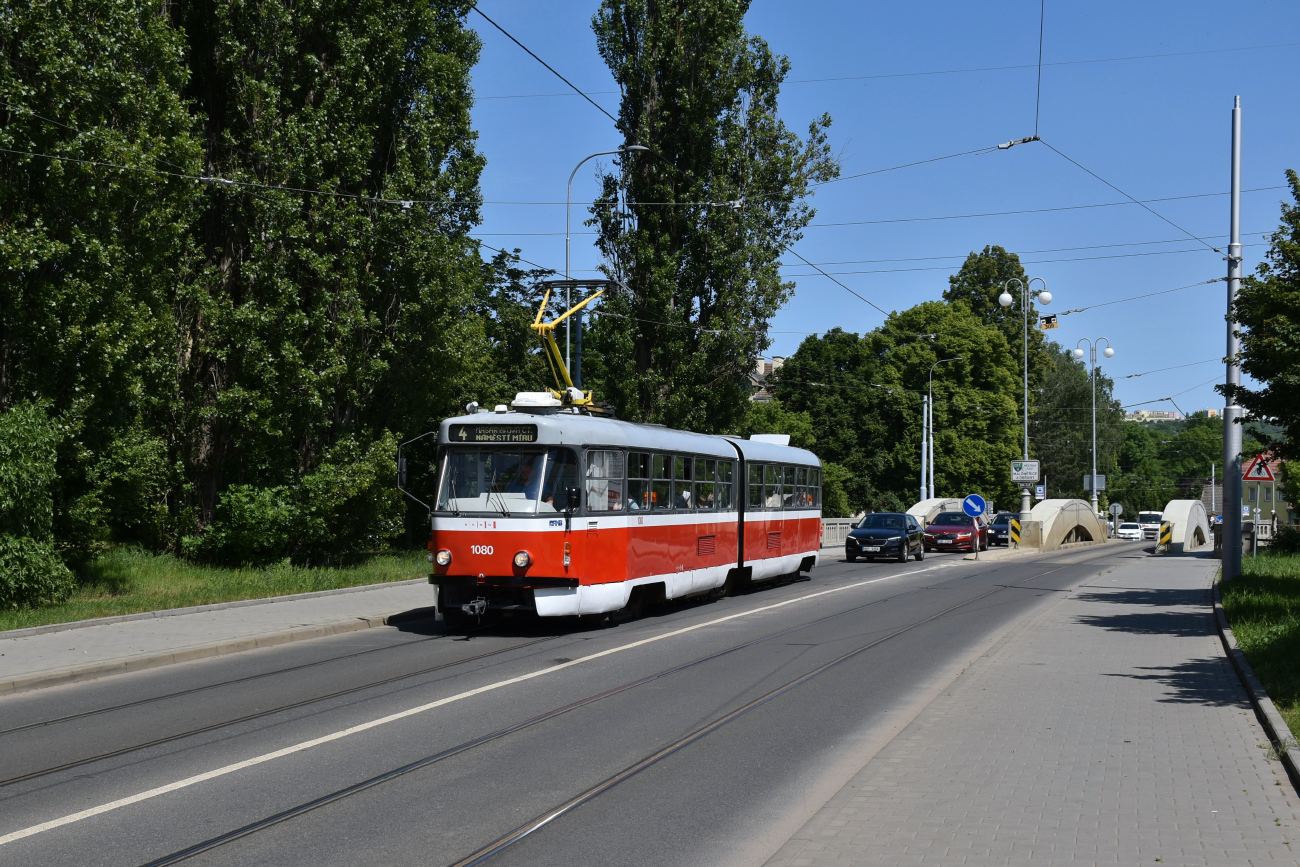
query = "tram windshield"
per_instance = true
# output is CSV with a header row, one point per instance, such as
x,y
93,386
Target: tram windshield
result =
x,y
507,482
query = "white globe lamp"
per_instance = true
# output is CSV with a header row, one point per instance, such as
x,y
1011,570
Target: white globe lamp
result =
x,y
1078,353
1044,297
1005,299
1108,352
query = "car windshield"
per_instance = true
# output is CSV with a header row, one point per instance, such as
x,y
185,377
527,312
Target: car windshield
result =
x,y
506,482
951,519
1005,517
1130,526
881,522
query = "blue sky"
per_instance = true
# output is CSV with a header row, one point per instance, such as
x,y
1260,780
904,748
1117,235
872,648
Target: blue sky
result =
x,y
1156,127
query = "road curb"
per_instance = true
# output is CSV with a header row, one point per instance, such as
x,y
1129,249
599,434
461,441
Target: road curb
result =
x,y
95,671
1279,734
197,609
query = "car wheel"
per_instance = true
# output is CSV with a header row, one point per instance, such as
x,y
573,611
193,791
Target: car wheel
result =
x,y
920,555
852,558
902,553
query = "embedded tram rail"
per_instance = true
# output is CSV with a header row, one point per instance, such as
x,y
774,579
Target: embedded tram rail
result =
x,y
503,842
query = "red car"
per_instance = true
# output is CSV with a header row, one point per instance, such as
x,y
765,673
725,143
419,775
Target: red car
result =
x,y
954,530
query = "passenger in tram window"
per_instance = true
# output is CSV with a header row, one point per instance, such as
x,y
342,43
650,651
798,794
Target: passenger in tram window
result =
x,y
638,480
725,470
661,482
772,487
706,471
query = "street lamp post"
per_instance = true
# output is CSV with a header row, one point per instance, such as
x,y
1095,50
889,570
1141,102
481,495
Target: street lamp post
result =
x,y
1078,353
568,200
1006,300
931,437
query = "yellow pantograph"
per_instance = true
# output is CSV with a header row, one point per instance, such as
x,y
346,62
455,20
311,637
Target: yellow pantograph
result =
x,y
564,389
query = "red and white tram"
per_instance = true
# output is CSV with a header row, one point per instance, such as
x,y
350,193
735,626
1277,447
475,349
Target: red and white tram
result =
x,y
551,510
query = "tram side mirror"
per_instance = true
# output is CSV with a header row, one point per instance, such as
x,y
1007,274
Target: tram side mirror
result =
x,y
572,499
401,472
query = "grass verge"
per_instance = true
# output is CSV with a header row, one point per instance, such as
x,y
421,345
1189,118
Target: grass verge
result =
x,y
1263,607
129,581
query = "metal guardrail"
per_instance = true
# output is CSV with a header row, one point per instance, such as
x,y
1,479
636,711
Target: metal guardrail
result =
x,y
835,531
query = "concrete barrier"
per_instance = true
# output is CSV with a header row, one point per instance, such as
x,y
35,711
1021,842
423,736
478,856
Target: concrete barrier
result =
x,y
926,510
1191,525
1063,521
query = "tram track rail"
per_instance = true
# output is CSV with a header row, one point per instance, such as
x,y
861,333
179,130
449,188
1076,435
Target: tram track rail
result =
x,y
609,783
264,713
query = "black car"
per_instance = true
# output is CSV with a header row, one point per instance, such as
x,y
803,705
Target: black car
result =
x,y
885,534
1000,529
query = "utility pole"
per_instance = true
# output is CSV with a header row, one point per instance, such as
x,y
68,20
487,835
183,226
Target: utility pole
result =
x,y
925,420
1231,411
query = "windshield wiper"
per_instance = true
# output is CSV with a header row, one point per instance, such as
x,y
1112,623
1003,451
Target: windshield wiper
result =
x,y
455,503
505,512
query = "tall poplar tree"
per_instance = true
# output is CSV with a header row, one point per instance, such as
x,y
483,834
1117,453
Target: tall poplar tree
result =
x,y
695,229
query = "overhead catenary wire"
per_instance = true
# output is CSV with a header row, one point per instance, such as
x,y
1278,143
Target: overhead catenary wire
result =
x,y
576,89
1127,196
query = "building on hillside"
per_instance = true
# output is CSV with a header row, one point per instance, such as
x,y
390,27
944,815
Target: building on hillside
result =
x,y
1152,415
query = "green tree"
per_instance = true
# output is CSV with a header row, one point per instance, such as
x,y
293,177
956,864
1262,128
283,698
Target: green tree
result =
x,y
1268,310
90,254
979,282
864,396
702,280
337,315
1060,428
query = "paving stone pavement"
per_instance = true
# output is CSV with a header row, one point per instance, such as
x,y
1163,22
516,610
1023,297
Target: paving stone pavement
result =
x,y
1110,729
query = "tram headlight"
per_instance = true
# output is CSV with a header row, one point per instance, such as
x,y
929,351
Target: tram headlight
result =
x,y
523,560
443,557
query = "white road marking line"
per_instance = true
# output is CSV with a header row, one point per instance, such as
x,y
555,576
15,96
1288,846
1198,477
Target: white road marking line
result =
x,y
375,723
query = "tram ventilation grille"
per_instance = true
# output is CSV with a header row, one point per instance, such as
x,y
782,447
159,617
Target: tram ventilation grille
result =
x,y
705,545
774,541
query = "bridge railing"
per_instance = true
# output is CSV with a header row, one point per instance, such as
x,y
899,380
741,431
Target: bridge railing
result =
x,y
835,531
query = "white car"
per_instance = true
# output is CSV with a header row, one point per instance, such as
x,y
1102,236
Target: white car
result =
x,y
1130,531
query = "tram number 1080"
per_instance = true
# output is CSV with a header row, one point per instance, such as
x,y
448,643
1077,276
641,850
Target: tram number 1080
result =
x,y
480,549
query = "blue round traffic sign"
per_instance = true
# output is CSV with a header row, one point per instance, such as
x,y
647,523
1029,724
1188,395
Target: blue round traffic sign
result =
x,y
973,505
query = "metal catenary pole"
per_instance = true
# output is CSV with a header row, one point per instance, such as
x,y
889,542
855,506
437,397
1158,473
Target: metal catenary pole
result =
x,y
925,420
1231,411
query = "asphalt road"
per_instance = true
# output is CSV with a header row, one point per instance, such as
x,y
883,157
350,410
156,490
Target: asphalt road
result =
x,y
706,732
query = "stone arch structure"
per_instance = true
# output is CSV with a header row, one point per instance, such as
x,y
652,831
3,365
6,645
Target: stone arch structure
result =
x,y
1065,521
926,510
1191,525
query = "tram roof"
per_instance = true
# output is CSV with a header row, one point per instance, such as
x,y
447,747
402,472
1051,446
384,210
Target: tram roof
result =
x,y
564,428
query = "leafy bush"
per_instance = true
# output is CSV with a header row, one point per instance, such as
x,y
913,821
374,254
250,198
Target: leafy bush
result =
x,y
347,504
28,440
253,527
31,573
1287,540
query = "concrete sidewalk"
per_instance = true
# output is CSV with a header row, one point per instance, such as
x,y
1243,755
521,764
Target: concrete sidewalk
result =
x,y
1109,729
33,661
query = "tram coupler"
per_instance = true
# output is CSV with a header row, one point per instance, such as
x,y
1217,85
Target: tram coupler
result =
x,y
475,608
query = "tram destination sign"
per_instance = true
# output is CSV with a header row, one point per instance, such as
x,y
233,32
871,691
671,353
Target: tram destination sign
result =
x,y
492,433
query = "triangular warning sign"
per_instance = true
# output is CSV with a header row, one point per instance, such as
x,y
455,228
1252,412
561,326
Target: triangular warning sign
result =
x,y
1257,471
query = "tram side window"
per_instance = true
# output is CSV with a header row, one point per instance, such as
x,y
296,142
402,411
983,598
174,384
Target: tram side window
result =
x,y
755,500
638,480
788,492
772,487
706,473
604,480
661,482
726,485
682,473
801,487
815,487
